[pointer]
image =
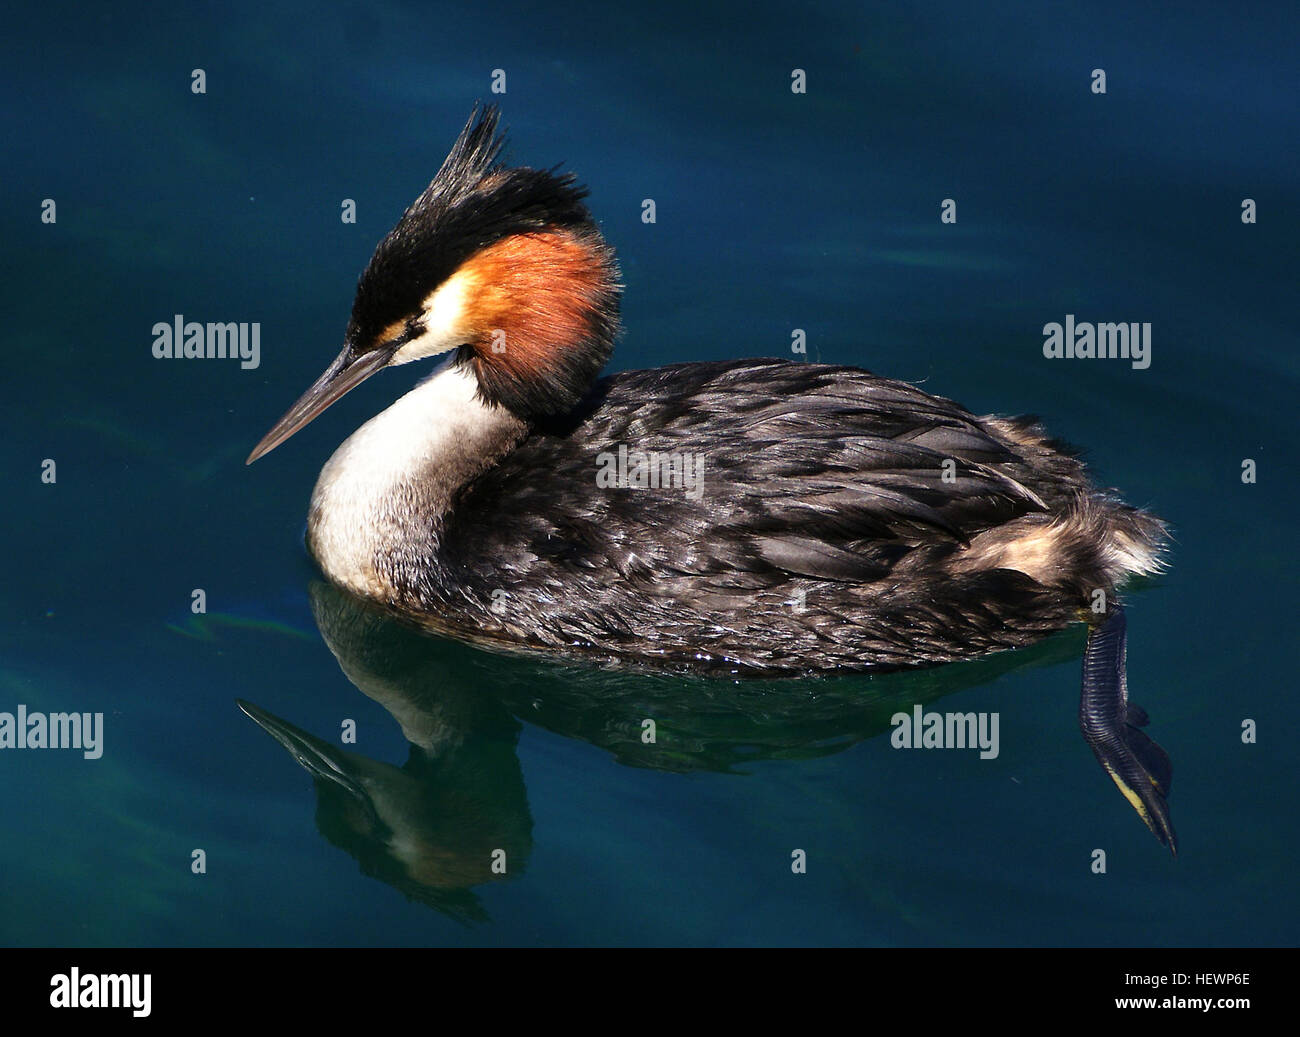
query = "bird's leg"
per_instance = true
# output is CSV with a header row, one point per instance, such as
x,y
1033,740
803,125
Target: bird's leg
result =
x,y
1112,725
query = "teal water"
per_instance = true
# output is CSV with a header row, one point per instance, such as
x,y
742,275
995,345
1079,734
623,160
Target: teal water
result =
x,y
775,211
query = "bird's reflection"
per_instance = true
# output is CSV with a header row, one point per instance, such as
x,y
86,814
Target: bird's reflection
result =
x,y
456,815
446,821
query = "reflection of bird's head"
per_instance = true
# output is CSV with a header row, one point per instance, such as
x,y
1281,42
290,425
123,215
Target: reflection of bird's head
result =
x,y
414,828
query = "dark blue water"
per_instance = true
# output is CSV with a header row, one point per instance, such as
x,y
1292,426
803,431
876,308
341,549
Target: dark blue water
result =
x,y
775,211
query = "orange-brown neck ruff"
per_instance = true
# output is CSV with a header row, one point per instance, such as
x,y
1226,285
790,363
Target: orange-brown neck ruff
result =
x,y
541,311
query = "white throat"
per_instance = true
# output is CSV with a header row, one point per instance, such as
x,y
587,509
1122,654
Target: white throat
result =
x,y
378,507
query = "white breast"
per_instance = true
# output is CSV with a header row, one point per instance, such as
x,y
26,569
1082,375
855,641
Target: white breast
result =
x,y
387,488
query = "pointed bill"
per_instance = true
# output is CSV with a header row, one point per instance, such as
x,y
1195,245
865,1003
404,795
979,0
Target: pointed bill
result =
x,y
343,375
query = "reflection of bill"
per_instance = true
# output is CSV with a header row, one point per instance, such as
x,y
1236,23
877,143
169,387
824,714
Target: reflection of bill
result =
x,y
431,828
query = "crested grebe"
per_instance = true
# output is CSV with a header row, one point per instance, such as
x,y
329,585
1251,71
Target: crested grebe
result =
x,y
804,518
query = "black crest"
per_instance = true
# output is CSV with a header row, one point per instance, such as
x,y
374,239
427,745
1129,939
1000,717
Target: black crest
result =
x,y
473,202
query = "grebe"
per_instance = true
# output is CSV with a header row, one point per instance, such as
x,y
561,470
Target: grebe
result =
x,y
844,522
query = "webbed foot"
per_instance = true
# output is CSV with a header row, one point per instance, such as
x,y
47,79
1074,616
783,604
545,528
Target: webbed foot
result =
x,y
1112,726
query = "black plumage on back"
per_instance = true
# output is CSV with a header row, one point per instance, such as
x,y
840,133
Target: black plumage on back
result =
x,y
823,537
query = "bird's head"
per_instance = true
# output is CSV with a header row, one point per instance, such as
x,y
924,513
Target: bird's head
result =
x,y
503,265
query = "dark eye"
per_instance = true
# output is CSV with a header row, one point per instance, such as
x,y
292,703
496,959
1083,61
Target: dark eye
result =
x,y
408,332
396,335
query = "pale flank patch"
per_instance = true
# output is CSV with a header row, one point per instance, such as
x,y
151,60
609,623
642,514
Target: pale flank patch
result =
x,y
1125,555
1044,551
1035,553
